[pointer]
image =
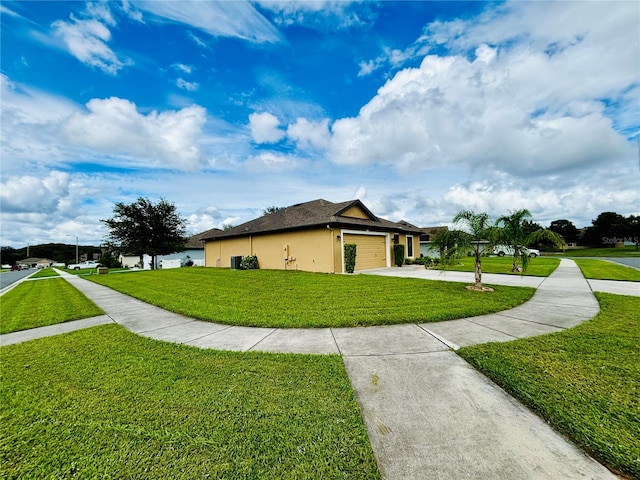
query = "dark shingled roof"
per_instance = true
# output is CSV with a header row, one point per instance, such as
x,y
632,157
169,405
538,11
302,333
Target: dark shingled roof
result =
x,y
314,214
195,241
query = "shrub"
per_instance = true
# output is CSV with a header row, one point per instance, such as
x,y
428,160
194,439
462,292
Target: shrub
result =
x,y
109,260
350,257
250,262
424,260
398,254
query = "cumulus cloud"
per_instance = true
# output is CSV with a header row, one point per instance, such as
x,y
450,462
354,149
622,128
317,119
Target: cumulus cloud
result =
x,y
114,126
30,124
220,19
87,38
531,105
309,134
31,194
265,128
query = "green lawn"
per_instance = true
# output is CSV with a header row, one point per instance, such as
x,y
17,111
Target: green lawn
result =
x,y
36,303
538,267
45,272
584,381
628,251
105,403
275,298
603,270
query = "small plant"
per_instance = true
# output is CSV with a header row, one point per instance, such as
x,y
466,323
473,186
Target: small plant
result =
x,y
250,262
109,260
398,254
422,260
350,257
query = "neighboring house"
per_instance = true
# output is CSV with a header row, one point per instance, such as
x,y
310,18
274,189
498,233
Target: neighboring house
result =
x,y
194,251
311,236
34,262
427,249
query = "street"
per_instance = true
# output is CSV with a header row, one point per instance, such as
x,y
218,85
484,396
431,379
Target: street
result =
x,y
7,278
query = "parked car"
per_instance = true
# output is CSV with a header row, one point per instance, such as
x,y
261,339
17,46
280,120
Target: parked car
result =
x,y
502,250
87,264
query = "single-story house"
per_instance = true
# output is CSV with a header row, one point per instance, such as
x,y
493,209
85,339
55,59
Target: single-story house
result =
x,y
427,248
194,252
311,236
35,262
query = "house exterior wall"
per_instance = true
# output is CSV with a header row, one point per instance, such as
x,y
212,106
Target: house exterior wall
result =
x,y
308,250
316,250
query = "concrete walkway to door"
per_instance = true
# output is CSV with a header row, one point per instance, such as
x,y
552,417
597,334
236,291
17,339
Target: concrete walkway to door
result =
x,y
429,415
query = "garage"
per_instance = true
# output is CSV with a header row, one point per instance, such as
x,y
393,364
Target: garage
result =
x,y
371,251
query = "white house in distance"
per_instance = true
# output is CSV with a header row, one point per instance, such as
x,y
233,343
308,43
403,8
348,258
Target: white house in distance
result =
x,y
194,252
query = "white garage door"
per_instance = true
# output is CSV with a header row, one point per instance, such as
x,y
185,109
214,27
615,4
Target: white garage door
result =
x,y
370,252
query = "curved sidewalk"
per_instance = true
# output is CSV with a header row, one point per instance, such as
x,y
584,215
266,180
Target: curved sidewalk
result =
x,y
429,415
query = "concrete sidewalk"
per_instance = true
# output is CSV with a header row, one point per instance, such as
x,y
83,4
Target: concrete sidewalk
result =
x,y
429,415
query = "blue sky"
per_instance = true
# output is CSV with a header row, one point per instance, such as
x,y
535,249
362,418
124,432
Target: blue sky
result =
x,y
419,109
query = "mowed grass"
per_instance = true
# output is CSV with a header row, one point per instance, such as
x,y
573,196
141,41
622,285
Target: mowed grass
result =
x,y
603,270
105,403
37,303
626,251
273,298
585,381
45,272
538,267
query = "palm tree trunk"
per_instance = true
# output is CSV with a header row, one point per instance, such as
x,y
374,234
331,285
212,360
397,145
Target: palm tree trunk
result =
x,y
515,267
478,273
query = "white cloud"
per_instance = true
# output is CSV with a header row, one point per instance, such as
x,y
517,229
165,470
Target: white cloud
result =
x,y
532,105
114,126
30,125
183,68
320,14
86,39
31,194
185,85
198,223
392,58
220,19
265,128
310,134
270,162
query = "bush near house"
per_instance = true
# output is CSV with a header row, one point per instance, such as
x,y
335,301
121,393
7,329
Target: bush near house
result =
x,y
350,257
398,254
250,262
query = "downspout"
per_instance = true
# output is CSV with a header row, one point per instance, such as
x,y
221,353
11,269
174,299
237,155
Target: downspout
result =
x,y
333,249
342,249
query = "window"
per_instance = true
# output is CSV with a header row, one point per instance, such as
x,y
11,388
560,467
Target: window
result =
x,y
410,246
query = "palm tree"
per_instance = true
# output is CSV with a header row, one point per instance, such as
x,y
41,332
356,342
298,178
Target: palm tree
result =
x,y
475,230
513,235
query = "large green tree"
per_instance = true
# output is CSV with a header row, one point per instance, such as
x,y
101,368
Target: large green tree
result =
x,y
516,234
566,229
605,230
144,227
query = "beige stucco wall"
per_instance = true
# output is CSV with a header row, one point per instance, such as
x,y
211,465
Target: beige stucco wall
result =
x,y
316,250
308,250
355,212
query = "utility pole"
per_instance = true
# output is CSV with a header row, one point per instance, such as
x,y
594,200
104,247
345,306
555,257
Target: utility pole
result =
x,y
77,249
